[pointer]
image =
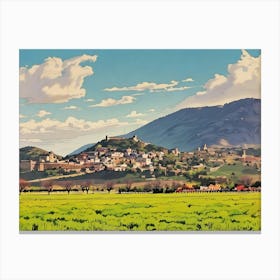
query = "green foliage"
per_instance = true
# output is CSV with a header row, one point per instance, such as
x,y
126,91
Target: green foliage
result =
x,y
236,171
140,212
122,144
29,152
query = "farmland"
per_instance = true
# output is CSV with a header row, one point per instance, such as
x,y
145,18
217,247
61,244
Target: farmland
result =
x,y
140,212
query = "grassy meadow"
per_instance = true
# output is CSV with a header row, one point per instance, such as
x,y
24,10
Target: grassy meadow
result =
x,y
236,171
140,212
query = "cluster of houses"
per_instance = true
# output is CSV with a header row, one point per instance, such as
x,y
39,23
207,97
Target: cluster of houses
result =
x,y
216,188
118,160
100,159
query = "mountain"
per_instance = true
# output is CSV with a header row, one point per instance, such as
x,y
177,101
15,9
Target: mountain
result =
x,y
30,152
81,149
235,123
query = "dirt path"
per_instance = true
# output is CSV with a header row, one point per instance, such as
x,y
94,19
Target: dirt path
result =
x,y
56,177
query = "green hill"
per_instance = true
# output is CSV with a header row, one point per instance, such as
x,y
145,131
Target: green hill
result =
x,y
236,171
121,144
30,152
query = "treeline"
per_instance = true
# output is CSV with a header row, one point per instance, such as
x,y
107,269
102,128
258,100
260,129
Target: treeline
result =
x,y
150,187
158,186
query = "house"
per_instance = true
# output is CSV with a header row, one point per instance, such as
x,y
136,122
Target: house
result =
x,y
128,151
82,157
102,151
49,157
121,167
143,161
203,188
135,138
160,155
175,151
107,138
117,155
185,188
241,188
214,188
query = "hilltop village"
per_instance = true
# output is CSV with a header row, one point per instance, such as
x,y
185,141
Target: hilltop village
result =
x,y
148,161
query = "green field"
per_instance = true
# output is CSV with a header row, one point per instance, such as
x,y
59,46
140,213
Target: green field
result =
x,y
140,212
236,171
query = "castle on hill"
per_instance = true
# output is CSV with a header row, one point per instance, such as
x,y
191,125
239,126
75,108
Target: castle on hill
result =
x,y
134,138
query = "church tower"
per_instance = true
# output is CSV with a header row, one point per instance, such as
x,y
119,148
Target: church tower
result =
x,y
244,154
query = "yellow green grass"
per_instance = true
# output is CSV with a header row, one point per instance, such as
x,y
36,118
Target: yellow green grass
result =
x,y
140,212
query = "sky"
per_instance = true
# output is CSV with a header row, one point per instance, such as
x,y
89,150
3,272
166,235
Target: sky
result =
x,y
69,98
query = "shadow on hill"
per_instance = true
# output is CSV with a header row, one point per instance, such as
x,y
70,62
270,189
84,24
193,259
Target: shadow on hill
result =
x,y
105,175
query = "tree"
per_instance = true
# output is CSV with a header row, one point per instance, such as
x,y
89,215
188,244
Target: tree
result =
x,y
157,187
68,186
48,185
109,186
128,185
257,184
86,186
22,185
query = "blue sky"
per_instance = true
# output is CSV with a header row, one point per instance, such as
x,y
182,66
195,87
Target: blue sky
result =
x,y
69,98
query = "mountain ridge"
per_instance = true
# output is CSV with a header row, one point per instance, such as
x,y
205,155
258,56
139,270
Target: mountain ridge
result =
x,y
234,123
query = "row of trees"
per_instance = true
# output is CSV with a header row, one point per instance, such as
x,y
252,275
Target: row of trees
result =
x,y
152,186
48,185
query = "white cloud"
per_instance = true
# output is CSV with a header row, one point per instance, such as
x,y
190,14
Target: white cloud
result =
x,y
71,107
137,94
55,80
177,88
141,122
134,114
43,113
51,130
152,87
243,81
89,100
152,110
31,140
112,102
187,80
21,116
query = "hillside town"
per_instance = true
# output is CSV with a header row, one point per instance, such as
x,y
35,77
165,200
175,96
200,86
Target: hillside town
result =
x,y
148,165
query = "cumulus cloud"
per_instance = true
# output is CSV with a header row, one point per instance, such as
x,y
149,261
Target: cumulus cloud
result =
x,y
134,114
72,107
55,80
89,100
243,81
53,130
188,80
43,113
152,110
21,116
112,102
152,87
